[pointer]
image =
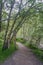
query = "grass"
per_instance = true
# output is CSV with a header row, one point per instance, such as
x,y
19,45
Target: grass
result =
x,y
5,54
38,52
35,50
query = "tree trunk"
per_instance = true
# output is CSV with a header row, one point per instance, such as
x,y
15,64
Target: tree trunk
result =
x,y
5,46
0,14
38,41
12,4
15,40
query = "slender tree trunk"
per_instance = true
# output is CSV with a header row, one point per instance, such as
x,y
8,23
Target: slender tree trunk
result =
x,y
38,41
15,20
5,46
0,14
6,41
15,40
16,17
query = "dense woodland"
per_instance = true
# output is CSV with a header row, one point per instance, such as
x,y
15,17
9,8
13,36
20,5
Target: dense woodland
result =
x,y
21,19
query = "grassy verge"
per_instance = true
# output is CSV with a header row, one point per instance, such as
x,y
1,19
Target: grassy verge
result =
x,y
5,54
36,51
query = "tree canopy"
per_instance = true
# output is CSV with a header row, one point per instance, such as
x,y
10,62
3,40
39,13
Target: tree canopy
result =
x,y
14,13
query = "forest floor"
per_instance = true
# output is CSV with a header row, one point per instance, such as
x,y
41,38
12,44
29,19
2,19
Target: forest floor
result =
x,y
23,56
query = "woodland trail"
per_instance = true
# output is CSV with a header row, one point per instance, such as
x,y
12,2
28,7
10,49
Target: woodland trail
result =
x,y
23,56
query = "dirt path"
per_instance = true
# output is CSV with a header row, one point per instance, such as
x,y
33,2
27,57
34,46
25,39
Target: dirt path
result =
x,y
23,56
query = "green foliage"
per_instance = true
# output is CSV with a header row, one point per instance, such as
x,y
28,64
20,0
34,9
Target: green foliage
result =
x,y
33,25
5,54
2,35
32,46
21,40
38,52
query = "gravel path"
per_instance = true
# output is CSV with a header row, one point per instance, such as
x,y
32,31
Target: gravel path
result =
x,y
23,56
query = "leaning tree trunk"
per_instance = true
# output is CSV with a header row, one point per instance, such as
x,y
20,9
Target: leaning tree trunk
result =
x,y
15,39
6,40
6,43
